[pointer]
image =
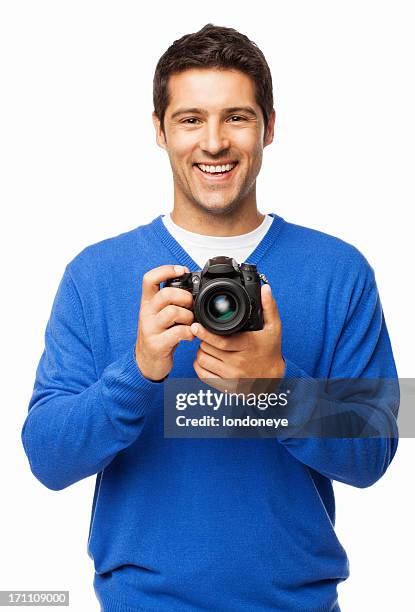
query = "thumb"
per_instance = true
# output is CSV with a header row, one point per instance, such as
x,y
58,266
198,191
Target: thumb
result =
x,y
269,307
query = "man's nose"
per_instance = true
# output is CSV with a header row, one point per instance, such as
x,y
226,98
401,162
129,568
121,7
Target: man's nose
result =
x,y
214,138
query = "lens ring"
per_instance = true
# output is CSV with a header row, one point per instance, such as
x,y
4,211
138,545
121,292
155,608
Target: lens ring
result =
x,y
235,295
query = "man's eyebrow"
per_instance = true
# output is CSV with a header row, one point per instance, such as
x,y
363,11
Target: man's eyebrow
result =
x,y
202,111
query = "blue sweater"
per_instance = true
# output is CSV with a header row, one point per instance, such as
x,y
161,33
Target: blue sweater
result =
x,y
206,524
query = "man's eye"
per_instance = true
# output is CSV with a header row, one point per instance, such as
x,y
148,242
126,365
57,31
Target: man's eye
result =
x,y
190,119
236,117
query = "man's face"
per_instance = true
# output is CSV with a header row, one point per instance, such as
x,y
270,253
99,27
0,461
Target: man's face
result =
x,y
213,119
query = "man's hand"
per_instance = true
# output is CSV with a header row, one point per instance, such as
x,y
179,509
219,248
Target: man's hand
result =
x,y
248,356
160,310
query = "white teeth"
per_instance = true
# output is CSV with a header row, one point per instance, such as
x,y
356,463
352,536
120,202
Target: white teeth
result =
x,y
214,169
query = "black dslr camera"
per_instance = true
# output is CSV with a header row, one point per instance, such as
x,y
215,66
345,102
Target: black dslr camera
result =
x,y
226,295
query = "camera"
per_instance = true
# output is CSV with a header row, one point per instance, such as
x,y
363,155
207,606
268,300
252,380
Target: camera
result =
x,y
226,295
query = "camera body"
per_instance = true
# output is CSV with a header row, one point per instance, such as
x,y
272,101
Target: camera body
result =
x,y
226,295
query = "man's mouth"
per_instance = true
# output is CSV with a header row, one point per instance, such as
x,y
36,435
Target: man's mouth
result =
x,y
214,172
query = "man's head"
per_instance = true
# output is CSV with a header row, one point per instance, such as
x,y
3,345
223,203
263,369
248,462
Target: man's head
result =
x,y
213,104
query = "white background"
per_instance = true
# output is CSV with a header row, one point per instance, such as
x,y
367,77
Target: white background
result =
x,y
79,163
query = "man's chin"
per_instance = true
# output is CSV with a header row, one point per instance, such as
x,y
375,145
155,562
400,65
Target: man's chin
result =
x,y
219,210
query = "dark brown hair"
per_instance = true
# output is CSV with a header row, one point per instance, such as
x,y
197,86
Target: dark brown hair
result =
x,y
213,47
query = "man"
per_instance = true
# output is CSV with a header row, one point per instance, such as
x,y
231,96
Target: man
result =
x,y
208,524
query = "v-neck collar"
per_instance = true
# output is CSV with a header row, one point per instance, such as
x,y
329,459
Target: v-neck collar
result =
x,y
183,257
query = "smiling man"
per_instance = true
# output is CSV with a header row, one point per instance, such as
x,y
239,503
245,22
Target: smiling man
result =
x,y
209,524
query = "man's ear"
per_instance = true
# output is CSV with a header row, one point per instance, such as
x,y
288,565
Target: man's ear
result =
x,y
269,134
160,137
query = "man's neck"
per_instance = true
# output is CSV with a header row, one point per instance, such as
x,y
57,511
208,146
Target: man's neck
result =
x,y
202,222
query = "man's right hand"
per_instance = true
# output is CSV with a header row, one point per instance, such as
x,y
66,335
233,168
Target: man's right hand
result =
x,y
164,319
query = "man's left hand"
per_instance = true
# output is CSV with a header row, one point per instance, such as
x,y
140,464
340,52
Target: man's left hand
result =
x,y
244,355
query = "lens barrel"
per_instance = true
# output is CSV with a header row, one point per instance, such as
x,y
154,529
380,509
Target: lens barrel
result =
x,y
222,306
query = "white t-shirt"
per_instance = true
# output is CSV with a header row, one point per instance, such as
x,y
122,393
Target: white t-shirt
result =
x,y
201,247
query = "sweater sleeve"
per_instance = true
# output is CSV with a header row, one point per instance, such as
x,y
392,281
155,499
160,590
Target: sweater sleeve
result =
x,y
366,401
77,422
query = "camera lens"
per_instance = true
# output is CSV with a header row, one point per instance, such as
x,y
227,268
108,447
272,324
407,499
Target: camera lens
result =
x,y
222,307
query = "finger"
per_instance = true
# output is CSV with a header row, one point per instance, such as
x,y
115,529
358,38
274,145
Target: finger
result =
x,y
170,295
216,382
212,350
209,363
269,308
171,337
202,373
152,279
236,342
172,314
